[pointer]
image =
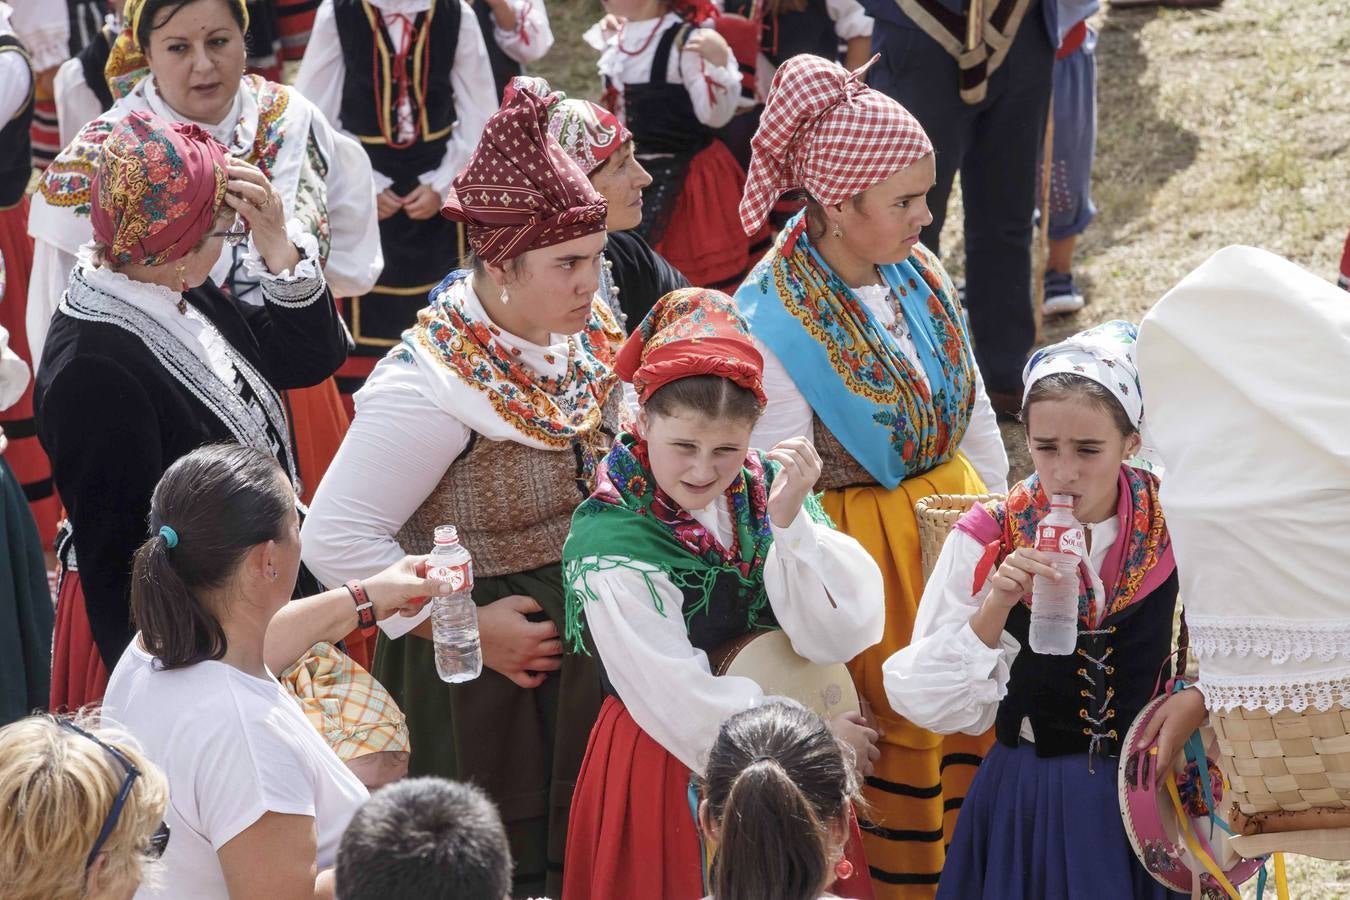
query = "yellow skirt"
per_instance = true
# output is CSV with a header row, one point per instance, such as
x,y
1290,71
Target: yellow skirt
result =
x,y
922,777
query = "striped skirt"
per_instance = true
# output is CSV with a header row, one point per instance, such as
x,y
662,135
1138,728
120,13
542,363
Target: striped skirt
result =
x,y
921,777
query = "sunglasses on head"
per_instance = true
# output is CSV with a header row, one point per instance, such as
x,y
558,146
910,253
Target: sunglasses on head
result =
x,y
159,841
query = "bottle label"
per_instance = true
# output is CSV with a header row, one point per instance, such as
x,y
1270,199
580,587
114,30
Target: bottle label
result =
x,y
459,576
1059,539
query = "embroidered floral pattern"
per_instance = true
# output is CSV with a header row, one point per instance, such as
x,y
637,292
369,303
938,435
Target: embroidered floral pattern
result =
x,y
553,410
68,181
1145,534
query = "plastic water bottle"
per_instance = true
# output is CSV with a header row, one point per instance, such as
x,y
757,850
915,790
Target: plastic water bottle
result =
x,y
1054,605
454,618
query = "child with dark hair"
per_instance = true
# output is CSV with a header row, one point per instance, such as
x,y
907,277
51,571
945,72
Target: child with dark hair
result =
x,y
426,838
689,541
1041,820
777,799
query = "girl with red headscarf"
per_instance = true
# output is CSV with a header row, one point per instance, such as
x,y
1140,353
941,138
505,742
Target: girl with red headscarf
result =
x,y
147,360
691,540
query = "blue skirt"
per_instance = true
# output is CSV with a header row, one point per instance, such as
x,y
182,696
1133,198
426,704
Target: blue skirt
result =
x,y
1043,829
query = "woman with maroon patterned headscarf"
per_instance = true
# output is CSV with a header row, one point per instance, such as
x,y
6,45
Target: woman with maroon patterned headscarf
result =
x,y
147,359
492,415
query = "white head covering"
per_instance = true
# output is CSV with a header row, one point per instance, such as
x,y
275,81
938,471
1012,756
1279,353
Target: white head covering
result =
x,y
1245,364
1104,354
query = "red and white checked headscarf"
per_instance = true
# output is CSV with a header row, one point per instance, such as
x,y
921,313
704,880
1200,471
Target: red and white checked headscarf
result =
x,y
825,131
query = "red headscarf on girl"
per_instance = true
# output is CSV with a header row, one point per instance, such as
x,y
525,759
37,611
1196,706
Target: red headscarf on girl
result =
x,y
692,331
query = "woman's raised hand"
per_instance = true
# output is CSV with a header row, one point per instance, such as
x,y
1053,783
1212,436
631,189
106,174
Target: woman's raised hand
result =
x,y
801,468
251,195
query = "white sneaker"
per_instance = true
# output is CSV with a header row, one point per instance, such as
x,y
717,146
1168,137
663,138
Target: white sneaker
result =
x,y
1061,297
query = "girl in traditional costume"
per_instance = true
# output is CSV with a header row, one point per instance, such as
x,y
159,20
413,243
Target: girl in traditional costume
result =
x,y
147,360
410,80
866,354
25,454
517,33
691,540
1041,817
673,82
492,415
322,179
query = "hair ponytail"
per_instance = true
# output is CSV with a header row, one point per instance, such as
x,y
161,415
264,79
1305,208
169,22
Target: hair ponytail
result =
x,y
776,782
766,809
218,502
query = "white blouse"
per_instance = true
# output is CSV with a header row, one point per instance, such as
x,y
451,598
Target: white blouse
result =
x,y
324,70
825,591
788,414
531,38
411,423
850,21
947,679
627,57
76,103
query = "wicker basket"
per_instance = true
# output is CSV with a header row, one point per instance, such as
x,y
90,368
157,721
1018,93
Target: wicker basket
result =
x,y
937,514
1289,776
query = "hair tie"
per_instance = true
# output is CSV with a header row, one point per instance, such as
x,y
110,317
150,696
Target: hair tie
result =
x,y
760,759
170,536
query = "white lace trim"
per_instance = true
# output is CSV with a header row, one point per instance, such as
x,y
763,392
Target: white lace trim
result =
x,y
306,269
1322,691
1278,640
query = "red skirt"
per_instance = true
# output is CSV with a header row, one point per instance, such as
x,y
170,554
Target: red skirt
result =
x,y
632,830
25,455
704,239
78,674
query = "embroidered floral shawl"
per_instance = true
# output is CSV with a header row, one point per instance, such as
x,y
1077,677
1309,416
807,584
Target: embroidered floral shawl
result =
x,y
629,519
468,367
1139,560
851,370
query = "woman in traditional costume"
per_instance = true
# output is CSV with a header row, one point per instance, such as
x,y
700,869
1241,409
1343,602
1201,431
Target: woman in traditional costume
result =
x,y
410,80
492,415
1041,820
635,275
25,455
193,72
866,353
689,541
81,88
147,360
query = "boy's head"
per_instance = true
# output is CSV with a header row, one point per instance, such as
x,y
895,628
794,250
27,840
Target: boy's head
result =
x,y
426,838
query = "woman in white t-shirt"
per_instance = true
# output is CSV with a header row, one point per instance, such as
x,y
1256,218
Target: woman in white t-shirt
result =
x,y
257,800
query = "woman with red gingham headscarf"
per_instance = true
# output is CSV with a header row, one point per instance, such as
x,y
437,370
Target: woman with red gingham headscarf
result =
x,y
866,352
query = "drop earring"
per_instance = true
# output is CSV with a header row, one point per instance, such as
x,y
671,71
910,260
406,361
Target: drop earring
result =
x,y
837,232
843,870
182,289
506,298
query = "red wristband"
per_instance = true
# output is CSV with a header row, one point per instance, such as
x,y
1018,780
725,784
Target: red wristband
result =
x,y
365,609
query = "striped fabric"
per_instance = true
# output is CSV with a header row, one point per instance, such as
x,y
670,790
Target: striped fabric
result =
x,y
45,133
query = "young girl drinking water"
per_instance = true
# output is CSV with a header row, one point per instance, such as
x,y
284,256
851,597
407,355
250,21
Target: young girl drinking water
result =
x,y
1041,819
691,540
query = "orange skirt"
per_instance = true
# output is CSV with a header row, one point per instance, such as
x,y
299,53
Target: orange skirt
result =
x,y
320,422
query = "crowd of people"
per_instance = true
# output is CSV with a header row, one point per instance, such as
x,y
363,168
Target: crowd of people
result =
x,y
678,366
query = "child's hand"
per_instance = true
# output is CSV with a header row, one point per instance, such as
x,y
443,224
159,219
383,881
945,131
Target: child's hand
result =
x,y
801,468
1012,580
852,729
710,45
610,25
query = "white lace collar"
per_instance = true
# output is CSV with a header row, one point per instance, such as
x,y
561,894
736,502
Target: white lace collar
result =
x,y
401,7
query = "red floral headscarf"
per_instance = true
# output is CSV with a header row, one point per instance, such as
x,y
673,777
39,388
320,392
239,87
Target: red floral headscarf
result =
x,y
824,130
692,331
520,191
157,190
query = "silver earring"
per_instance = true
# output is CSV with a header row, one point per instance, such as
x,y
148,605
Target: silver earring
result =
x,y
506,298
837,232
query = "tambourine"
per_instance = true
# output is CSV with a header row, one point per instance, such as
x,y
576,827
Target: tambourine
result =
x,y
767,658
1178,829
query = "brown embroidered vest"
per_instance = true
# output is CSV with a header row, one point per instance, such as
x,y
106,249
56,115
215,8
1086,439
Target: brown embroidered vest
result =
x,y
513,503
838,468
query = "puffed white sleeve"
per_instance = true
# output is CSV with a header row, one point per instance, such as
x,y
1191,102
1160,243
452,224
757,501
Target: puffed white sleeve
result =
x,y
393,456
475,101
46,285
14,375
44,28
787,414
533,35
850,19
714,90
16,83
355,257
983,442
76,103
826,591
947,679
664,681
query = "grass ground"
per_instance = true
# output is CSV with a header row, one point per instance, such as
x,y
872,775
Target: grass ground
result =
x,y
1220,127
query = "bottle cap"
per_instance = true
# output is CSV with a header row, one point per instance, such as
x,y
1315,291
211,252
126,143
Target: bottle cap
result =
x,y
1055,500
446,534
